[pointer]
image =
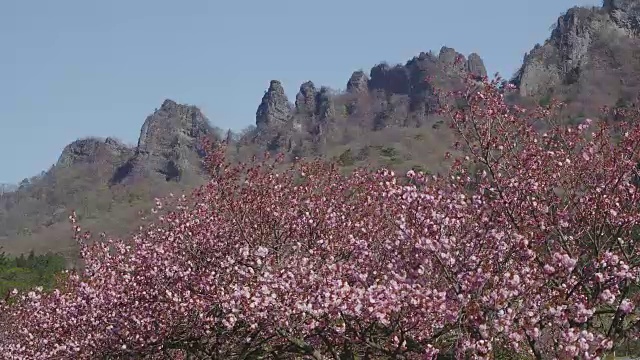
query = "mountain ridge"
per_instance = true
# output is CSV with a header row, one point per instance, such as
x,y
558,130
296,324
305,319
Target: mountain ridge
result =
x,y
386,117
590,59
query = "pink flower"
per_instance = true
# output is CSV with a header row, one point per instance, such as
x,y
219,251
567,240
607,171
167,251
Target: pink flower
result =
x,y
626,306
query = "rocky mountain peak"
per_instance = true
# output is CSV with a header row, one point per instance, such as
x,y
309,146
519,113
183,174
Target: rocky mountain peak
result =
x,y
169,144
358,83
172,123
306,99
625,13
325,105
391,95
475,65
394,79
451,58
93,150
168,104
585,43
274,109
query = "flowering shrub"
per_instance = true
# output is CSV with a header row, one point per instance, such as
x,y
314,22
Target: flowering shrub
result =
x,y
529,244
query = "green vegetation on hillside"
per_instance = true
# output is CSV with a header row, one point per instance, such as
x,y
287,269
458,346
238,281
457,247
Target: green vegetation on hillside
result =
x,y
26,272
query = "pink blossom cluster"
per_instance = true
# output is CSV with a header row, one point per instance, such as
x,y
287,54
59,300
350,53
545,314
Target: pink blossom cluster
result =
x,y
528,244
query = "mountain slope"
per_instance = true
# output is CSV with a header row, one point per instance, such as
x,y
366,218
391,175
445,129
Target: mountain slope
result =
x,y
591,59
105,181
385,117
388,99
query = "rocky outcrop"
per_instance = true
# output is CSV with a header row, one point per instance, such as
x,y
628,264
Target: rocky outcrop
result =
x,y
169,145
422,95
625,14
168,148
274,110
392,95
449,56
358,96
395,80
277,120
451,60
475,65
173,125
455,63
306,99
548,65
358,83
325,105
402,94
409,79
388,96
586,43
94,150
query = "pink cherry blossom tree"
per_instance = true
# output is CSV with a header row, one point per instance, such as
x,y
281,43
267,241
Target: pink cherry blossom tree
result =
x,y
528,244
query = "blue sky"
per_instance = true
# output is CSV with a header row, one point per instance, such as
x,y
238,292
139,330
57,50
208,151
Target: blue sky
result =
x,y
76,68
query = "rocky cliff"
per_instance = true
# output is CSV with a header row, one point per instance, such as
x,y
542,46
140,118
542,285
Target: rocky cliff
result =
x,y
389,96
169,145
590,59
94,150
